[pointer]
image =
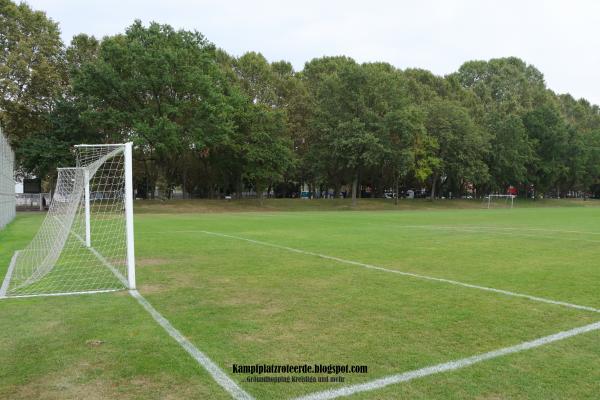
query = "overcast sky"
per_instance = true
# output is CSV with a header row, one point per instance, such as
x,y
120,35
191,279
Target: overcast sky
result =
x,y
561,38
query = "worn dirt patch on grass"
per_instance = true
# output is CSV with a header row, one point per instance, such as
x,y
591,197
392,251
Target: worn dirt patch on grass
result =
x,y
150,262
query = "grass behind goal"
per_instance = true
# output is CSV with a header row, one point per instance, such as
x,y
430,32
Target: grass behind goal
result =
x,y
242,302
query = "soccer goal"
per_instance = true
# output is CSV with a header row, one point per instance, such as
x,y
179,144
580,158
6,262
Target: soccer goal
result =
x,y
85,243
499,201
7,182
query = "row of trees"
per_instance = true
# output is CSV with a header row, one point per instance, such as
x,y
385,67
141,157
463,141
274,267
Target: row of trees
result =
x,y
215,124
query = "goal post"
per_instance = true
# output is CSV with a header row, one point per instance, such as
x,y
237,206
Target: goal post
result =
x,y
85,243
7,182
499,201
129,214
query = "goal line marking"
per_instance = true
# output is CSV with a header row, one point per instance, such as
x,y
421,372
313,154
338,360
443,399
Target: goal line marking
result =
x,y
209,365
419,276
205,362
100,257
215,372
9,272
447,366
60,294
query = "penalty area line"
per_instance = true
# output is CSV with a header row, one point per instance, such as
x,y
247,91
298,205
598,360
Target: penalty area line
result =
x,y
205,362
418,276
447,366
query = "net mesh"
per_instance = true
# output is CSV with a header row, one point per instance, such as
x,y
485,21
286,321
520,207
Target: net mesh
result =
x,y
499,201
67,254
7,182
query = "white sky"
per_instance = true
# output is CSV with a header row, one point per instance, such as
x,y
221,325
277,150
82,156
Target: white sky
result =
x,y
561,38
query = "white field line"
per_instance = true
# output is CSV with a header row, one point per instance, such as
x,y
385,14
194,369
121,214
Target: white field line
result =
x,y
103,260
21,296
217,374
9,272
100,257
496,232
6,282
448,366
419,276
108,265
213,369
516,229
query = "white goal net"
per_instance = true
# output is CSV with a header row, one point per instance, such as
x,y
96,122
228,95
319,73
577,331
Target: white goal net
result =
x,y
85,243
499,201
7,182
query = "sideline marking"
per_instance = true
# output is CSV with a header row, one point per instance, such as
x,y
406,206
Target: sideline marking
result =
x,y
425,277
447,366
471,229
213,369
503,228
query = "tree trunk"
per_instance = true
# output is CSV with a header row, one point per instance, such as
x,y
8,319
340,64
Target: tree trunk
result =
x,y
259,192
147,179
336,190
240,187
396,190
433,184
358,187
354,189
183,185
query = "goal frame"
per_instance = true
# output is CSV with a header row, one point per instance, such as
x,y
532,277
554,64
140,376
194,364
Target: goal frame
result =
x,y
500,196
128,193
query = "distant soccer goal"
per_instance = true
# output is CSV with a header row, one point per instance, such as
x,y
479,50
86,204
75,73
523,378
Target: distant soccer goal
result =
x,y
499,201
85,243
7,182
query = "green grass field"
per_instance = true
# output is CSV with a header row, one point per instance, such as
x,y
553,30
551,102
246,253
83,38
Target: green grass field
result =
x,y
244,302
